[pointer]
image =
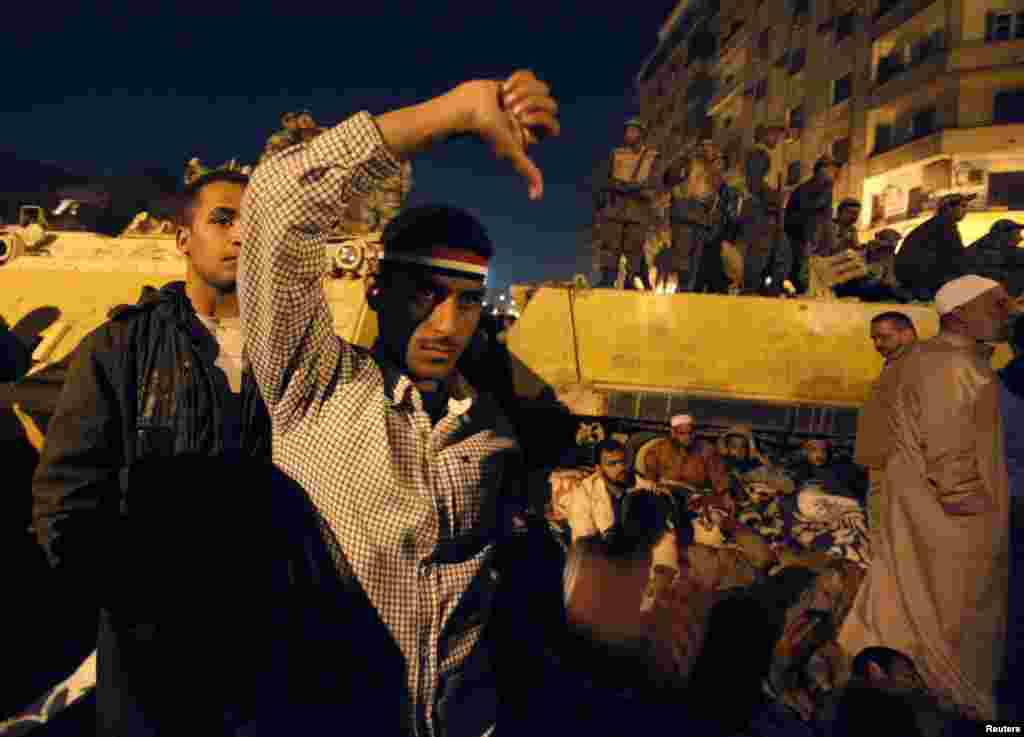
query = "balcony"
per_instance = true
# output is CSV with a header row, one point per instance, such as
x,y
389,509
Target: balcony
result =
x,y
897,14
987,55
896,81
952,141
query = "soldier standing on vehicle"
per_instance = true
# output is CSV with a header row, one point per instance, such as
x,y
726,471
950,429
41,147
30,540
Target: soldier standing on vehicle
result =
x,y
625,209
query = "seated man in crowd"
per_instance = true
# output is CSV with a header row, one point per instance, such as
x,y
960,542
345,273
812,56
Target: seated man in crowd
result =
x,y
819,466
826,514
739,451
683,459
595,507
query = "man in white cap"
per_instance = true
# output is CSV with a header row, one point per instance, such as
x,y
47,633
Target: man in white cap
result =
x,y
937,587
683,458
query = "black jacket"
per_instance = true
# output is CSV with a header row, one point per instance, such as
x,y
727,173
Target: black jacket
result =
x,y
141,388
932,254
15,356
140,385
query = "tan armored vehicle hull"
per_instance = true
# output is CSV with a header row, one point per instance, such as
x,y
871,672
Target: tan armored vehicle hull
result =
x,y
627,360
787,367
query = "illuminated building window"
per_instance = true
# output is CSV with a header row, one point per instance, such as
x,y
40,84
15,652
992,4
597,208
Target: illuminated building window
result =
x,y
916,198
793,174
1004,26
1008,107
841,89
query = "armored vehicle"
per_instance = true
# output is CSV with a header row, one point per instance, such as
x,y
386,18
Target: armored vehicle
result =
x,y
581,363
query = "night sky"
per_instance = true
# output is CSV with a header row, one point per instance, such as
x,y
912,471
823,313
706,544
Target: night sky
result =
x,y
113,93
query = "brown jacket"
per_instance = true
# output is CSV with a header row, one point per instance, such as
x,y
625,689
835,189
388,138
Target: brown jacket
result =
x,y
698,466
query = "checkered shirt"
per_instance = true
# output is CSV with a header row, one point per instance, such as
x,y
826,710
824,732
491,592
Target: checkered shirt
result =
x,y
410,511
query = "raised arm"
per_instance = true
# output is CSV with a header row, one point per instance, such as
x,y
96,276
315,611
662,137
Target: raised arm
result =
x,y
291,203
294,198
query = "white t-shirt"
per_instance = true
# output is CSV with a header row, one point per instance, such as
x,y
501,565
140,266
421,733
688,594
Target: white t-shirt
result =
x,y
227,331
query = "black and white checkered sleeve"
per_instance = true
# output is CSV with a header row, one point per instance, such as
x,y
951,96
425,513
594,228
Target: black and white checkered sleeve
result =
x,y
291,203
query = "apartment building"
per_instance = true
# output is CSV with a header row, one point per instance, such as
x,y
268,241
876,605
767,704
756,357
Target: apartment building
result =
x,y
919,98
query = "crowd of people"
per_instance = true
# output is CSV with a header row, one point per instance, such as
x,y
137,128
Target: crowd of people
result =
x,y
677,224
282,532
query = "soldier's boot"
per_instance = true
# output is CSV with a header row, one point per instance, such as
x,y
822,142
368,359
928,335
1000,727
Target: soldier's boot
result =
x,y
606,278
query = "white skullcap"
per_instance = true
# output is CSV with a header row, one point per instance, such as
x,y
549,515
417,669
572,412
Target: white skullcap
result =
x,y
961,291
682,420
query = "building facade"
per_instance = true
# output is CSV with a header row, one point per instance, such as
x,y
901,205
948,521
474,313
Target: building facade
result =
x,y
918,98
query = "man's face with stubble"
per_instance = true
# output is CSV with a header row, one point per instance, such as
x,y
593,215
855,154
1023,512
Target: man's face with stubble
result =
x,y
428,319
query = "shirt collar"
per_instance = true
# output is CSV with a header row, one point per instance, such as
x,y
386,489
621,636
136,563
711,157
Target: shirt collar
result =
x,y
985,350
400,389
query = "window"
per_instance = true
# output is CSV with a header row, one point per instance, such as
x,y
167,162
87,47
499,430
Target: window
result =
x,y
841,150
916,200
796,118
793,174
886,5
761,89
883,137
877,209
844,26
1008,107
927,46
841,89
890,65
1006,189
1004,26
923,123
797,59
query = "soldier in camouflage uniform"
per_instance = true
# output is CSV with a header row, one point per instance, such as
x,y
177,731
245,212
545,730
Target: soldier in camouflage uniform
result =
x,y
385,203
625,208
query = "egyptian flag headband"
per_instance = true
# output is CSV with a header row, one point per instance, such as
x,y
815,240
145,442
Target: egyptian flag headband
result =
x,y
457,262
